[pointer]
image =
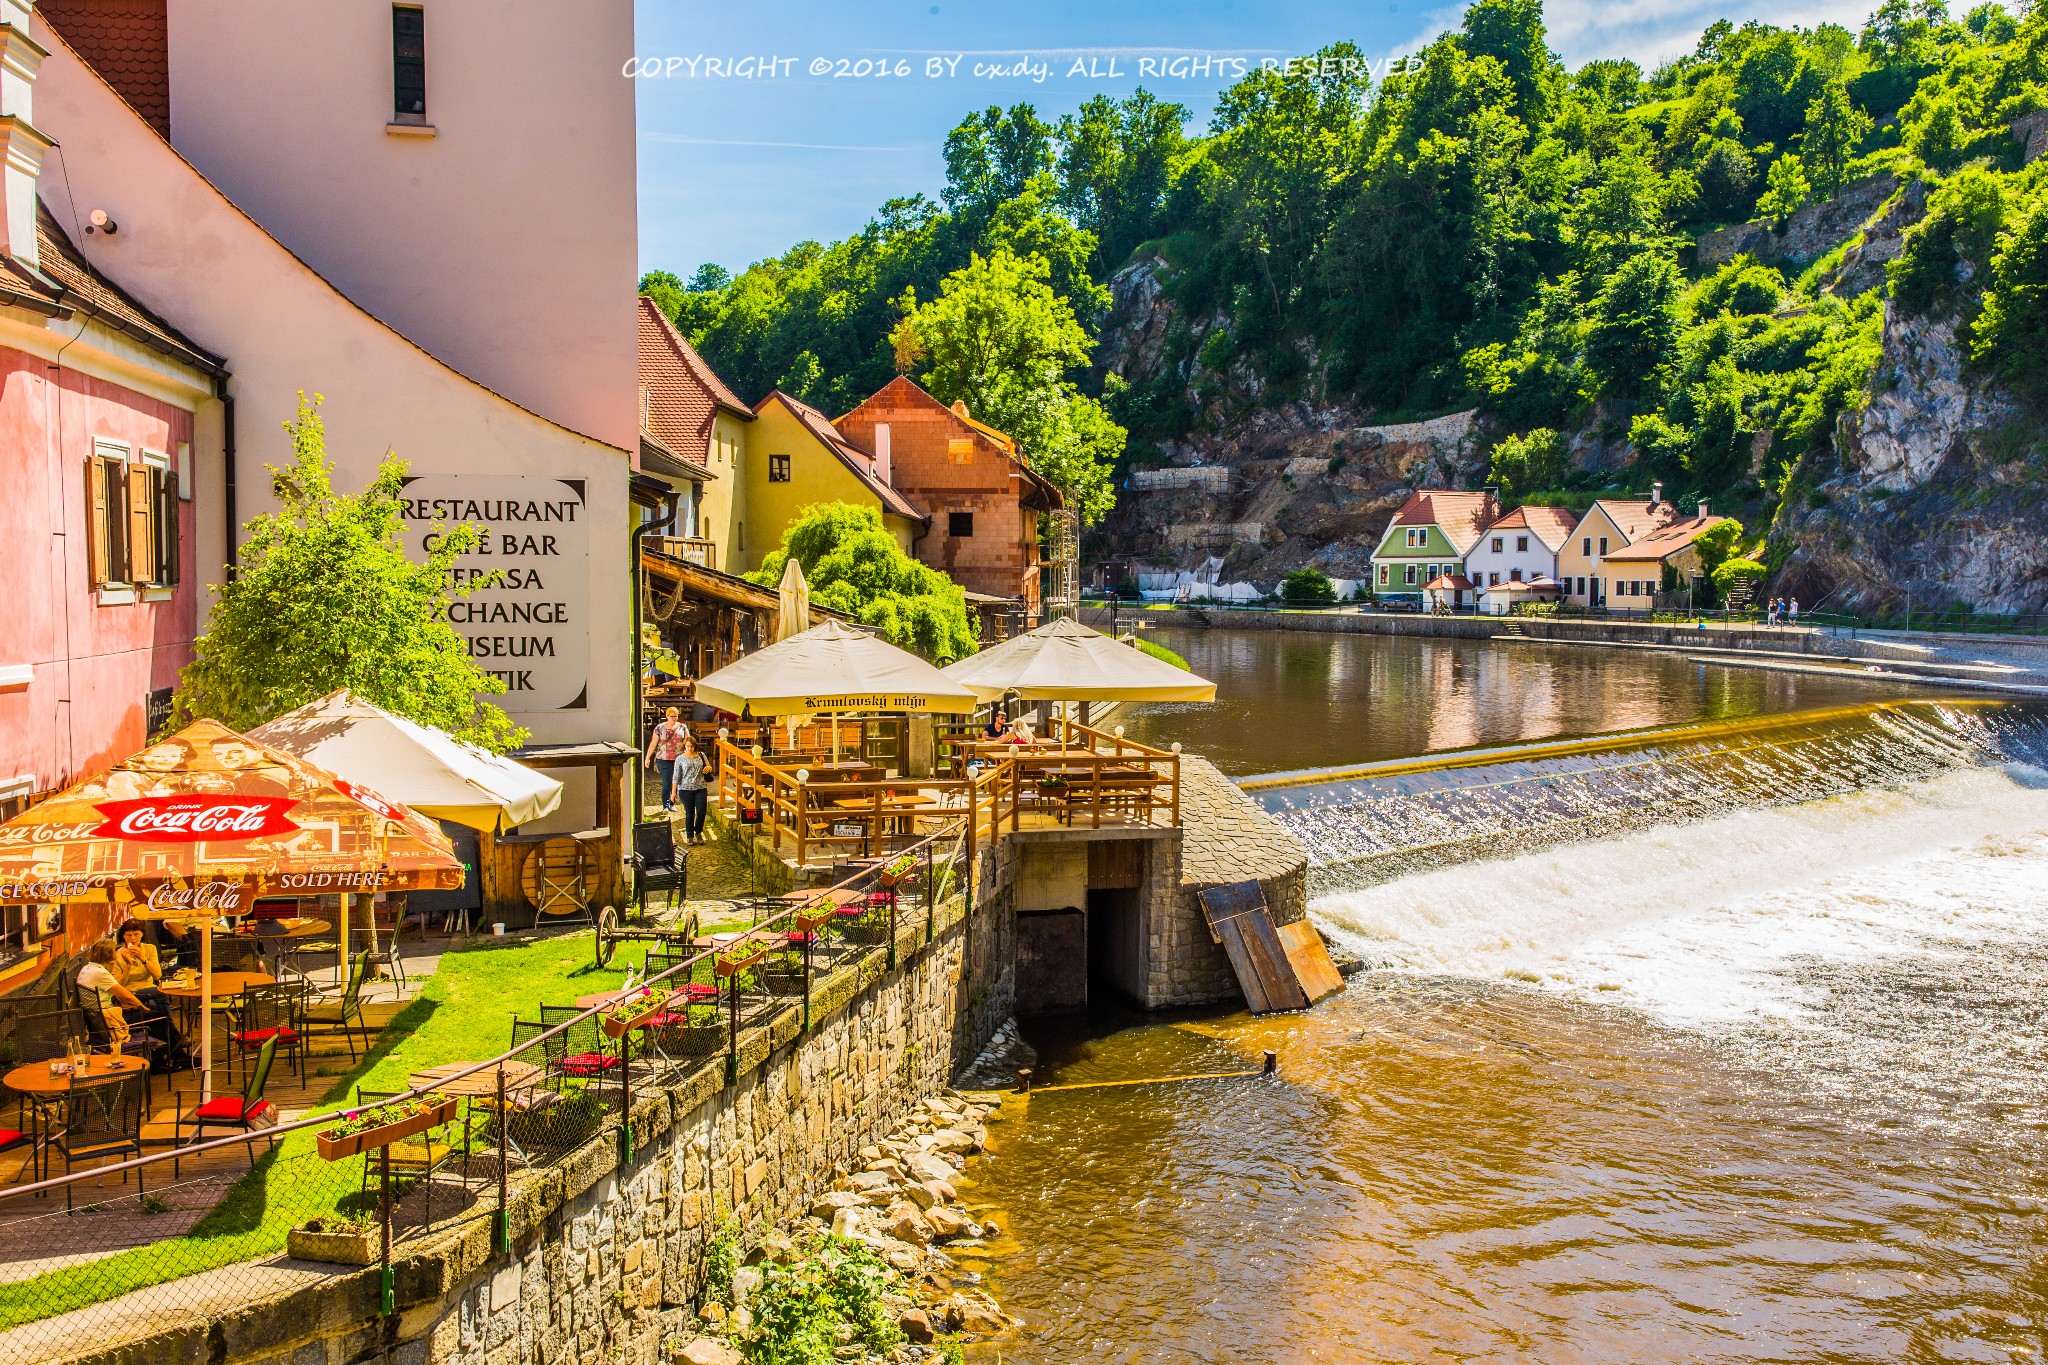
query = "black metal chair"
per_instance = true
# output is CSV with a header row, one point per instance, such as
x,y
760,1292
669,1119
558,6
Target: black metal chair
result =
x,y
245,1112
656,863
267,1013
578,1053
102,1119
388,959
47,1034
344,1011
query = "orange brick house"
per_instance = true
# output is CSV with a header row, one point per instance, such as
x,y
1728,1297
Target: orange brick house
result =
x,y
970,479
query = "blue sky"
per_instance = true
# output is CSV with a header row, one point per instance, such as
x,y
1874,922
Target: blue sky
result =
x,y
736,165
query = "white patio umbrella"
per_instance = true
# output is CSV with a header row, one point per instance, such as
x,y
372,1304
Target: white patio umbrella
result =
x,y
1064,660
832,668
429,770
794,618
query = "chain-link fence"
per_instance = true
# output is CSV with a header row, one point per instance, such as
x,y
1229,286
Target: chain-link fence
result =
x,y
222,1222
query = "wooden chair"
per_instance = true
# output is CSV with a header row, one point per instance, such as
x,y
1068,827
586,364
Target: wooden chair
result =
x,y
102,1120
419,1156
244,1112
345,1011
389,960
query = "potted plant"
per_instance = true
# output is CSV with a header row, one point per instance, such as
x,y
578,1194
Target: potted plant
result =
x,y
634,1011
335,1239
378,1125
899,870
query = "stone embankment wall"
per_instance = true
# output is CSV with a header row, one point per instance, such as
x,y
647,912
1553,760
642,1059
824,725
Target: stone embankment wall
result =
x,y
607,1256
1563,631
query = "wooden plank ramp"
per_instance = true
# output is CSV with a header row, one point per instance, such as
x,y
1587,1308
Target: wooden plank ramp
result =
x,y
1318,975
1238,919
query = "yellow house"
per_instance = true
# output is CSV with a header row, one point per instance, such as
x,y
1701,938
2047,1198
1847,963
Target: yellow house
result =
x,y
795,457
1615,555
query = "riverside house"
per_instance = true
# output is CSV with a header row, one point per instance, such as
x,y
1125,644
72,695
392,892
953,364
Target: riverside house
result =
x,y
692,431
1521,547
796,457
1636,572
1430,538
1610,526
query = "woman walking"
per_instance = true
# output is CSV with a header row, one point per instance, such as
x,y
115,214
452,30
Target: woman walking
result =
x,y
664,746
689,786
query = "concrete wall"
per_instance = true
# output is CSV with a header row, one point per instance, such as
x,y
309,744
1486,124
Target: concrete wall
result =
x,y
501,236
191,256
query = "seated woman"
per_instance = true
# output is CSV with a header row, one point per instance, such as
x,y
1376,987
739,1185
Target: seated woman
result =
x,y
100,987
1021,733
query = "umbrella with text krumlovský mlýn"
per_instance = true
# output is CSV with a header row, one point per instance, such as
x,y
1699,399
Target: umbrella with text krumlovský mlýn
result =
x,y
201,824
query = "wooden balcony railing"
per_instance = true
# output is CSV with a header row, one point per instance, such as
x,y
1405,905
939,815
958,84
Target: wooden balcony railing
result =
x,y
689,549
1081,776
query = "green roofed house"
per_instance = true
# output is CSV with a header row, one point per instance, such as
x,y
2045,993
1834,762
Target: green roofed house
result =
x,y
1428,539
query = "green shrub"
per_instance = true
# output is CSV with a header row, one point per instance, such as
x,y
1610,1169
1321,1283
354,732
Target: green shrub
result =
x,y
1164,655
1308,585
2011,337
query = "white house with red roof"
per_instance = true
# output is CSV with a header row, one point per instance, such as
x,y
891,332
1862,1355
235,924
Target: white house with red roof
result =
x,y
1520,548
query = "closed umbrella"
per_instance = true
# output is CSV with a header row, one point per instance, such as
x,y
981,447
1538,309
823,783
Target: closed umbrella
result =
x,y
795,596
1064,660
202,824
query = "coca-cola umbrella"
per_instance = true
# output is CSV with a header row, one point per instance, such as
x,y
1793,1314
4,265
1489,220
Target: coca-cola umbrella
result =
x,y
200,825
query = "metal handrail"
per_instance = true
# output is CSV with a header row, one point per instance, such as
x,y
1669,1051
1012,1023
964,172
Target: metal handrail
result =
x,y
582,1016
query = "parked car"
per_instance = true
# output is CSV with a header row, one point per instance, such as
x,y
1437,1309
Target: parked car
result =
x,y
1407,604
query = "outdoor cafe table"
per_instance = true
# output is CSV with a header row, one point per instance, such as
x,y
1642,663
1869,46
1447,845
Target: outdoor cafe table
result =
x,y
45,1089
477,1084
226,986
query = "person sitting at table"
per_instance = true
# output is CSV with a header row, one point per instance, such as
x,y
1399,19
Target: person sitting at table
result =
x,y
1020,733
998,724
99,988
176,944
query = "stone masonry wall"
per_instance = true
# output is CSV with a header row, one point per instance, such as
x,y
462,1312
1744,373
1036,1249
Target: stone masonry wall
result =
x,y
606,1257
1225,837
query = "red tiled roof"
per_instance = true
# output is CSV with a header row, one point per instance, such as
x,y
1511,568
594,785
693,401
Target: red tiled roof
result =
x,y
852,456
1461,516
1666,541
1454,581
681,393
1551,525
1636,518
127,42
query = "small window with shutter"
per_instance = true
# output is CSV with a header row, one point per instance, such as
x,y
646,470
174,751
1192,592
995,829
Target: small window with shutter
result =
x,y
110,513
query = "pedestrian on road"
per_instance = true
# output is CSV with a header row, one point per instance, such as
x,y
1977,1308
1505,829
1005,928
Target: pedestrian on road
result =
x,y
665,746
689,788
1792,610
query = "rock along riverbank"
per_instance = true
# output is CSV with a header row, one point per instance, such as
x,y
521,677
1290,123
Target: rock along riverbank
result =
x,y
881,1269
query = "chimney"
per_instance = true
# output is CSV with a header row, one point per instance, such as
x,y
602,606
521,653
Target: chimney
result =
x,y
1704,513
1656,494
21,146
882,453
960,408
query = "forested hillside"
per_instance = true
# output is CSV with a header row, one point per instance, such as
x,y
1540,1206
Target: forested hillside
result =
x,y
1495,231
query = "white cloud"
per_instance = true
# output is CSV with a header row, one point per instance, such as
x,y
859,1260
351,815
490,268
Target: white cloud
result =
x,y
1653,31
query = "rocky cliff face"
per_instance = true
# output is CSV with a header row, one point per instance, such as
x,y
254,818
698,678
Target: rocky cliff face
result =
x,y
1933,488
1938,495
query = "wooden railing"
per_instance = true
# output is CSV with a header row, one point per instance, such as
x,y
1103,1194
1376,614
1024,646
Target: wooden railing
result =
x,y
1086,775
689,549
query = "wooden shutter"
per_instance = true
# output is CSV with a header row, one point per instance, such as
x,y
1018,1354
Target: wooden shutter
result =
x,y
95,522
141,532
167,552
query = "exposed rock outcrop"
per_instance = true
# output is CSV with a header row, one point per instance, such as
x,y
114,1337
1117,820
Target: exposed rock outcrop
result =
x,y
1805,236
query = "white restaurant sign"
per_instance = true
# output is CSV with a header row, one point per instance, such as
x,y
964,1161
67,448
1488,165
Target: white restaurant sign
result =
x,y
527,617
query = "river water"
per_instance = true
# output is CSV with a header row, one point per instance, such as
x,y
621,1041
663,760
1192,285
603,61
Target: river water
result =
x,y
1760,1085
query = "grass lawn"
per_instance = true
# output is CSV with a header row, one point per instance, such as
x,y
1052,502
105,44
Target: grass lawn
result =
x,y
464,1013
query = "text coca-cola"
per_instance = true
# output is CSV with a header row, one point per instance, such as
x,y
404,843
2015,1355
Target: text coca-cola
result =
x,y
191,819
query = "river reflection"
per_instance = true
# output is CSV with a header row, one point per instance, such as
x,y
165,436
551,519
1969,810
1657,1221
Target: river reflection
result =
x,y
1286,700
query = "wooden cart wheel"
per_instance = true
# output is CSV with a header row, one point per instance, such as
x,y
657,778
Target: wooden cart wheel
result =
x,y
607,935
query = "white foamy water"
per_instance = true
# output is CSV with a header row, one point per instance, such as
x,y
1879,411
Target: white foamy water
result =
x,y
1728,919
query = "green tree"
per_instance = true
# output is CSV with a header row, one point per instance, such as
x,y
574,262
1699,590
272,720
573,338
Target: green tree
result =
x,y
1116,166
1632,330
1731,572
1623,211
998,337
1511,32
326,597
991,155
1308,585
2011,335
855,567
1835,128
1530,462
1786,191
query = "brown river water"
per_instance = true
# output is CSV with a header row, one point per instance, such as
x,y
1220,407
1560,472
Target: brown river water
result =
x,y
1764,1084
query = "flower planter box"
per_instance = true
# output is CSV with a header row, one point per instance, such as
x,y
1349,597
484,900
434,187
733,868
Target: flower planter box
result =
x,y
623,1019
350,1247
349,1144
782,981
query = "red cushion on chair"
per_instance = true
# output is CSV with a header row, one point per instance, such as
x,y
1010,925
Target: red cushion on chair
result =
x,y
800,936
10,1136
229,1109
697,990
588,1063
257,1037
